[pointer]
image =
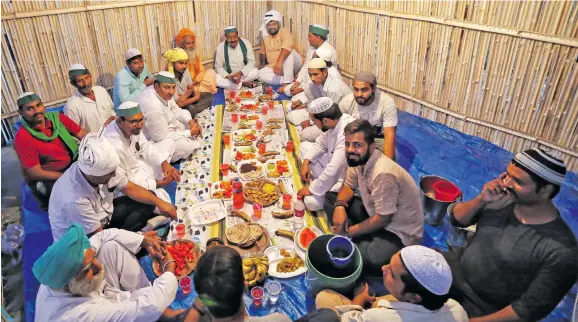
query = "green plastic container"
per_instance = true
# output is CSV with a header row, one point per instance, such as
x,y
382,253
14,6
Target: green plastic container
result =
x,y
328,276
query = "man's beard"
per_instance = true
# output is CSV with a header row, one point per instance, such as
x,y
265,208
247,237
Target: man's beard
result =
x,y
366,101
362,159
86,89
324,128
273,31
83,287
191,53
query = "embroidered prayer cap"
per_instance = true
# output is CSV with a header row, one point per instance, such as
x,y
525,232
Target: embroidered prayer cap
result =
x,y
26,98
325,53
366,77
165,77
128,108
317,63
319,105
62,261
543,165
319,30
428,267
231,29
96,156
77,70
132,52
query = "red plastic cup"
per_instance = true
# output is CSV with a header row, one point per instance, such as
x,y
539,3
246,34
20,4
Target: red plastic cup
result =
x,y
446,191
259,124
257,211
232,94
271,104
262,148
270,91
238,99
257,295
180,230
264,110
235,117
227,138
289,146
185,284
224,169
287,198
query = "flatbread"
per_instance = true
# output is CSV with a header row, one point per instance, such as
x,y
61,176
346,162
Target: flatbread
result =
x,y
238,234
255,232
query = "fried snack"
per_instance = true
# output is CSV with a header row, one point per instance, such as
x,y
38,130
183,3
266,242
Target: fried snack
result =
x,y
273,126
244,143
271,153
262,191
268,132
275,120
265,159
289,264
285,233
244,126
265,98
241,214
282,187
282,214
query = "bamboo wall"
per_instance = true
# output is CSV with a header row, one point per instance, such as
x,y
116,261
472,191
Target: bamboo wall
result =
x,y
502,70
47,37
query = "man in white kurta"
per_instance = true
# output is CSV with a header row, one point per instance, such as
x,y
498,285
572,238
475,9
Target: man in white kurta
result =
x,y
90,106
165,119
145,163
317,38
322,84
235,61
323,162
124,295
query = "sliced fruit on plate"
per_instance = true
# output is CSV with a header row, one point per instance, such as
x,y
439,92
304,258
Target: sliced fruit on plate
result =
x,y
305,237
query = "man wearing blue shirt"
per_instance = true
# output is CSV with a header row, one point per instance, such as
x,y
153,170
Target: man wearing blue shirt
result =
x,y
130,81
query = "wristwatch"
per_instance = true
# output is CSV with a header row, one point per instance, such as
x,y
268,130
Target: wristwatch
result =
x,y
341,203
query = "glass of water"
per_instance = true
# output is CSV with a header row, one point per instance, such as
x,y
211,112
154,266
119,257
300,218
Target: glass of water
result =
x,y
274,290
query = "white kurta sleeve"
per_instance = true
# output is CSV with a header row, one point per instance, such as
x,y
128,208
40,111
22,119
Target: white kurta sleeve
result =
x,y
250,59
303,72
145,305
156,154
158,130
181,114
318,148
82,212
332,171
220,60
309,95
132,241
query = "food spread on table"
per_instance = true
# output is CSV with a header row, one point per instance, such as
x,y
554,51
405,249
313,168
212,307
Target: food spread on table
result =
x,y
250,169
263,191
290,264
247,94
305,237
185,253
277,168
245,234
255,269
222,190
244,136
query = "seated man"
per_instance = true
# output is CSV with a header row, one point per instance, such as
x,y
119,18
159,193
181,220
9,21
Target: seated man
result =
x,y
418,280
100,280
389,215
323,162
84,194
235,61
165,119
204,80
185,95
277,51
146,164
322,85
368,103
220,284
90,106
317,38
45,144
130,81
523,257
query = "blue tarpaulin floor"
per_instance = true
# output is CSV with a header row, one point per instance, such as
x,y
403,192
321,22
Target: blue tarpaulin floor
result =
x,y
423,147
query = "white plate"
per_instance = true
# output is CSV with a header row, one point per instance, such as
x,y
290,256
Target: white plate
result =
x,y
237,135
207,212
274,162
300,251
244,149
215,189
246,177
275,257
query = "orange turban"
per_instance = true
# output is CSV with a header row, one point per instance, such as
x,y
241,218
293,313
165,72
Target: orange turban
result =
x,y
194,64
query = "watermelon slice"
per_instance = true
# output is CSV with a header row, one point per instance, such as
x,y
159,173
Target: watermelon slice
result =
x,y
306,236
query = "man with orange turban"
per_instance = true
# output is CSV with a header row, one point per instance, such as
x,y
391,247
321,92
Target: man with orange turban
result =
x,y
204,80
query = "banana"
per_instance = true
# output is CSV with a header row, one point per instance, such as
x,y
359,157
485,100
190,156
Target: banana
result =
x,y
241,214
251,275
247,269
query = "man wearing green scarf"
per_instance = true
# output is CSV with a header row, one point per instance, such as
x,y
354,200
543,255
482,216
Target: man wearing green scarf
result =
x,y
46,145
235,61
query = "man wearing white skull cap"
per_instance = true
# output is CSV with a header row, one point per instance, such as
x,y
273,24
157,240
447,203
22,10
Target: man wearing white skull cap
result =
x,y
165,119
277,54
418,280
85,194
322,85
323,161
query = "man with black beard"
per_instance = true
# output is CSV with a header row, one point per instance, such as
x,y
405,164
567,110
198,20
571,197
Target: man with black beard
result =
x,y
389,215
90,106
523,258
323,160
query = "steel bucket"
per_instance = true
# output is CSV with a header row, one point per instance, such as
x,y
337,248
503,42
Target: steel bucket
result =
x,y
434,210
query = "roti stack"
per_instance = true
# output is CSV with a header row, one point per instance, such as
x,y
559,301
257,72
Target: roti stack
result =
x,y
244,234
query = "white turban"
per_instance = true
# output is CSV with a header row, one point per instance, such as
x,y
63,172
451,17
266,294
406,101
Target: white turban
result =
x,y
428,267
272,15
325,53
319,105
96,156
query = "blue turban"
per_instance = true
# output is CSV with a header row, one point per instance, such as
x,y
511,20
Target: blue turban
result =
x,y
63,259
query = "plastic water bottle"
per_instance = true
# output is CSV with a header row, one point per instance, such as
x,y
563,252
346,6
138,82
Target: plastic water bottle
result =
x,y
299,212
238,198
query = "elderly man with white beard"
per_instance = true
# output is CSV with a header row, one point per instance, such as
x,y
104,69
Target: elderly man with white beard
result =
x,y
100,279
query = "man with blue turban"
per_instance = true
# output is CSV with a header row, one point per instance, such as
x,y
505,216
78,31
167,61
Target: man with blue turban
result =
x,y
100,279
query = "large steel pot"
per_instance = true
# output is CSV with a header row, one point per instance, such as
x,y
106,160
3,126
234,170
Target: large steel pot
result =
x,y
434,210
